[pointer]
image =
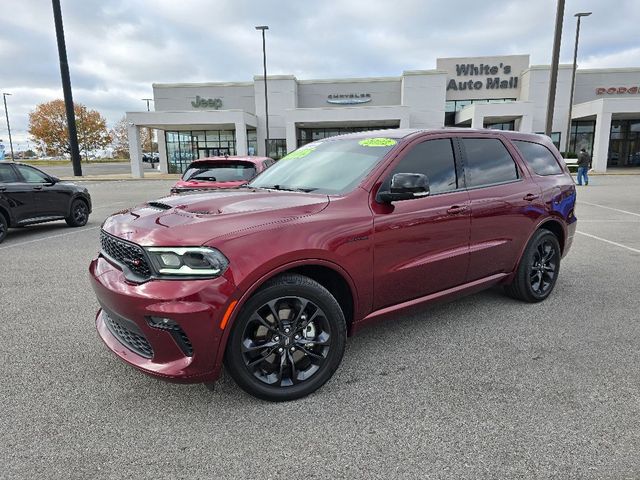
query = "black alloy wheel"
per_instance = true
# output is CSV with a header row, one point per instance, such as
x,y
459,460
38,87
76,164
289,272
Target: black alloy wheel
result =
x,y
542,272
538,270
288,339
79,214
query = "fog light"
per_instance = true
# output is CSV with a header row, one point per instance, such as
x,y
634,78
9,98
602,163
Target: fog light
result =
x,y
162,323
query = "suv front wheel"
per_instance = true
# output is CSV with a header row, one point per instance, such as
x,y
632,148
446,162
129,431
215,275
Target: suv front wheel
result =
x,y
538,270
288,339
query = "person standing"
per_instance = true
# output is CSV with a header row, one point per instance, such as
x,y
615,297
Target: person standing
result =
x,y
584,164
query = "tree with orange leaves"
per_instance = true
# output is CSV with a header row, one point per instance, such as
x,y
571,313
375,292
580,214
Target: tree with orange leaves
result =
x,y
48,127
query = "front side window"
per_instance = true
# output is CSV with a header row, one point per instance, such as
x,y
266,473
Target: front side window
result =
x,y
433,158
31,175
221,172
332,166
7,174
538,157
487,162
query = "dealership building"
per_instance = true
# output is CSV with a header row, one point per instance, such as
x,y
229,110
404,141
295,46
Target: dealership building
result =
x,y
196,120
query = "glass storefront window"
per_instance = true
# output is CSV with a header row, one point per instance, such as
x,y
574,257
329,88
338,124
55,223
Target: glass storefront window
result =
x,y
624,144
252,142
452,106
184,146
581,136
308,135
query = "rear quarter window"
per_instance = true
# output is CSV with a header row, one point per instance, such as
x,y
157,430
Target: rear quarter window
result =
x,y
538,157
487,162
7,174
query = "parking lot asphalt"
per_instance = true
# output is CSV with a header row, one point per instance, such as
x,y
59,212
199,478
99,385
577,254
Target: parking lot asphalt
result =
x,y
481,387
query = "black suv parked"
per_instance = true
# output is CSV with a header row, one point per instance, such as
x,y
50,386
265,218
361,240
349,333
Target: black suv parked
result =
x,y
28,196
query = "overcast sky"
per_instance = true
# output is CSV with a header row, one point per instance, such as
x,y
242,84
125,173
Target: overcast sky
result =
x,y
118,48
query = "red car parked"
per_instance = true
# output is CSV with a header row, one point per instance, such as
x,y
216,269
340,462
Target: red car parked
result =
x,y
220,172
272,277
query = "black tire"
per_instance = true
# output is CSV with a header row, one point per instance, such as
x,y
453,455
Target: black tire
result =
x,y
79,214
4,227
538,269
296,356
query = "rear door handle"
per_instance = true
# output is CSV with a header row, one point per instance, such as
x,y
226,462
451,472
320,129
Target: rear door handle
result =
x,y
530,197
455,209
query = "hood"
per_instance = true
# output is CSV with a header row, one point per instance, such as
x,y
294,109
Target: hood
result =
x,y
196,219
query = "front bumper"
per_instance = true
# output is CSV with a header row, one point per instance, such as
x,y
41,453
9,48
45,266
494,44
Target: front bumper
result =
x,y
196,306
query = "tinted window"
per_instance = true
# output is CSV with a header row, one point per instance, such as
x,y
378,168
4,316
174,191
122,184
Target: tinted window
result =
x,y
433,158
539,158
31,175
221,172
7,174
487,162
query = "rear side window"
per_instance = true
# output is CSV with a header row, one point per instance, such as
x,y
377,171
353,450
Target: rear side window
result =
x,y
487,162
538,157
433,158
7,174
31,175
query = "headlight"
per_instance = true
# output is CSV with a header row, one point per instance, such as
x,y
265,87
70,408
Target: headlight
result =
x,y
188,261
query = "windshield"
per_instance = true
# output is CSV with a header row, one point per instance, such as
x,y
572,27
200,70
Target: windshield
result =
x,y
332,166
221,172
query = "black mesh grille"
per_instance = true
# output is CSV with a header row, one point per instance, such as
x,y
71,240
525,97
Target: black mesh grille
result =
x,y
125,253
184,343
128,334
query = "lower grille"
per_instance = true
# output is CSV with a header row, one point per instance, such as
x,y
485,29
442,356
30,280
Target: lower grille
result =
x,y
128,334
176,331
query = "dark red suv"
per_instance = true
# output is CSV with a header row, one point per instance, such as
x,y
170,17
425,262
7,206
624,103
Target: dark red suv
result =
x,y
271,277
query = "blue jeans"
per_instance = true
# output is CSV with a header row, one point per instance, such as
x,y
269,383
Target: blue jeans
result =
x,y
582,174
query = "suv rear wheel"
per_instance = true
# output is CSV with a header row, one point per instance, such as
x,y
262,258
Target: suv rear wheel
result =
x,y
4,227
538,270
288,339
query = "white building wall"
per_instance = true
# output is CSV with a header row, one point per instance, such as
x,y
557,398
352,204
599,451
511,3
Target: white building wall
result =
x,y
283,95
588,81
424,93
535,88
180,97
314,93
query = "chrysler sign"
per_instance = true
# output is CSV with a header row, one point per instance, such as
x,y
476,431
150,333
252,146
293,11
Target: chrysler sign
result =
x,y
348,98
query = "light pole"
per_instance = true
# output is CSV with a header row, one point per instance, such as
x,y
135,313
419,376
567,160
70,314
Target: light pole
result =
x,y
6,112
149,129
266,101
66,89
557,37
573,77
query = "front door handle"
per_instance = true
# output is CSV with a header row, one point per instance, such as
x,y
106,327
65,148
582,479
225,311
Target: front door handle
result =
x,y
38,187
456,209
530,197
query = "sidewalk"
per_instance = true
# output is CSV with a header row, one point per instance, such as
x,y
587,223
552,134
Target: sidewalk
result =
x,y
110,177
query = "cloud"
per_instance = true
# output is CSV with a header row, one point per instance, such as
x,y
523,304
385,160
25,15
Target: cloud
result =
x,y
117,49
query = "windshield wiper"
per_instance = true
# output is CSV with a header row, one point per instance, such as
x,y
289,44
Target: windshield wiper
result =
x,y
289,189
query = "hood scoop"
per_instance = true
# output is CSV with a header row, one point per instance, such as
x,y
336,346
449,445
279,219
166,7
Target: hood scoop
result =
x,y
159,205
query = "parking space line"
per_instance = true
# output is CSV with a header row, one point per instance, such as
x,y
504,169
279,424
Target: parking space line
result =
x,y
609,241
48,237
610,208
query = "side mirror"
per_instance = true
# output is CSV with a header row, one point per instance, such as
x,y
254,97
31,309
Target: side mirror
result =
x,y
53,179
405,186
